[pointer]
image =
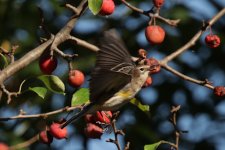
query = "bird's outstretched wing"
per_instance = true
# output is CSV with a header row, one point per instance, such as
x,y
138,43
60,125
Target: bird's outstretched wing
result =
x,y
112,70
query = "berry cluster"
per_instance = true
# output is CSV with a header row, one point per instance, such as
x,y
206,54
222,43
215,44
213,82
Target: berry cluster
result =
x,y
94,128
54,130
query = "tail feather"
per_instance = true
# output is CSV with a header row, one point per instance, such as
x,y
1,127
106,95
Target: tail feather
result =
x,y
77,116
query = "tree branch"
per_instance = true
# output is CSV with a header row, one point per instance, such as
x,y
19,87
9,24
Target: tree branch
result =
x,y
84,44
151,14
24,61
193,39
64,33
116,133
54,41
42,115
24,144
205,83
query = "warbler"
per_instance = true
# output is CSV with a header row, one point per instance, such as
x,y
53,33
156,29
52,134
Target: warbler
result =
x,y
115,80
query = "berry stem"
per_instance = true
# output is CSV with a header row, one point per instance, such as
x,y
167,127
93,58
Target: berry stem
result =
x,y
210,28
70,65
154,21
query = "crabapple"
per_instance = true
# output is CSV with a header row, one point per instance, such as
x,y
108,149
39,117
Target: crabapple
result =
x,y
103,116
47,64
148,82
107,7
154,34
93,131
76,78
158,3
57,132
45,137
212,40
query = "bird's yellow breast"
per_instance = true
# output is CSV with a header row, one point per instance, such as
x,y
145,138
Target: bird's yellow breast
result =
x,y
125,93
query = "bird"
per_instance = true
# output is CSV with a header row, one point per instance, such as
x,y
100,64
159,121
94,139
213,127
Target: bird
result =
x,y
115,79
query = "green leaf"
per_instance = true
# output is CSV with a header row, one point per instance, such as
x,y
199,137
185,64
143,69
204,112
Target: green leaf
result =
x,y
53,83
3,60
40,91
95,6
80,97
142,107
152,146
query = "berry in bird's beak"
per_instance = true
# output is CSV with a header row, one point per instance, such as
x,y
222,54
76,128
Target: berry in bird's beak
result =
x,y
154,65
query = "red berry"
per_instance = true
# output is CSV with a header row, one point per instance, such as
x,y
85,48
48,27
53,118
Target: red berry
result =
x,y
107,7
219,91
212,40
148,82
45,137
158,3
76,78
93,131
3,146
155,34
57,132
89,118
154,65
103,116
47,64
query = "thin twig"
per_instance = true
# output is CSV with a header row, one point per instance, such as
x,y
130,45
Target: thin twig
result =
x,y
127,147
64,33
173,120
167,142
205,83
132,7
83,43
71,7
9,94
151,14
116,132
193,40
168,21
65,56
42,24
24,144
42,115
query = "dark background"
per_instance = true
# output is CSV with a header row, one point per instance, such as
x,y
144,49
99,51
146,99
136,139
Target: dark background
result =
x,y
202,113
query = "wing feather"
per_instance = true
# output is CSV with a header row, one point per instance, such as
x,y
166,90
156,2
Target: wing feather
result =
x,y
106,80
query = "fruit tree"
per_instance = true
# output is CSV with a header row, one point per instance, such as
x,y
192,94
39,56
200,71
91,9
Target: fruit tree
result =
x,y
48,50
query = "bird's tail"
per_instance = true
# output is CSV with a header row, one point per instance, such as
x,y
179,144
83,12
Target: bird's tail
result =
x,y
80,114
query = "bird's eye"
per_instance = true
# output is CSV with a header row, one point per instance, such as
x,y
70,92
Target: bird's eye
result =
x,y
142,69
